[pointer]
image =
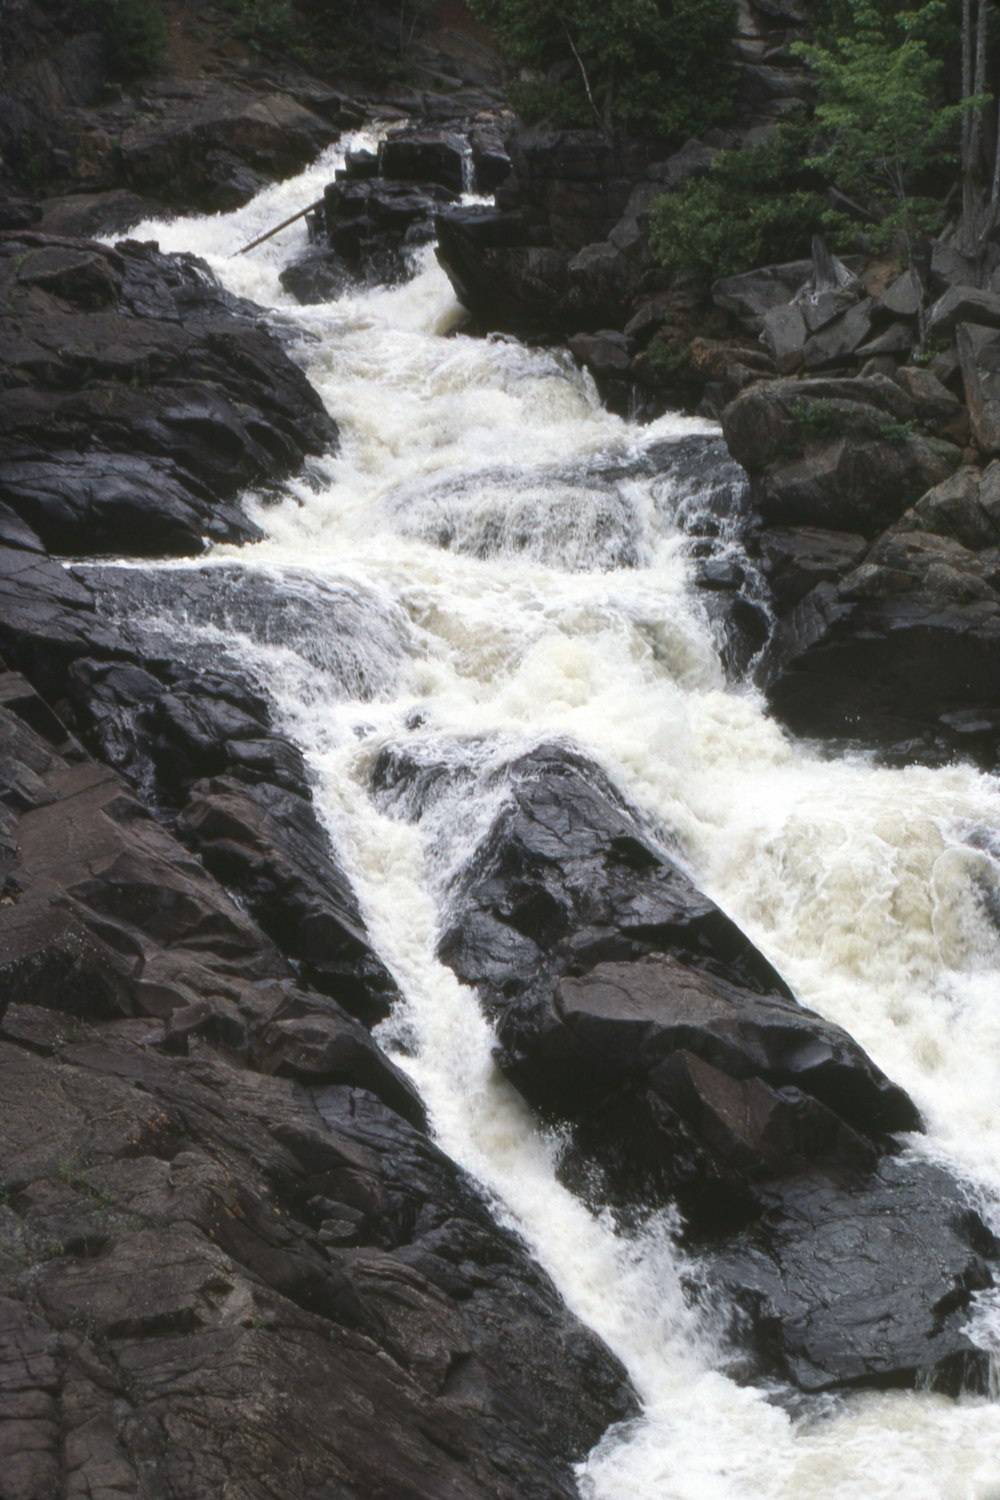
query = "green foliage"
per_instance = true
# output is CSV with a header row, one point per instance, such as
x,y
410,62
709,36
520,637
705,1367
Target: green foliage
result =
x,y
883,124
929,351
135,33
822,418
266,25
370,37
752,207
660,66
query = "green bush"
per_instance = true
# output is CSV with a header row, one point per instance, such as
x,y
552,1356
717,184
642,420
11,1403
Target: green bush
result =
x,y
657,66
135,32
751,208
266,25
821,418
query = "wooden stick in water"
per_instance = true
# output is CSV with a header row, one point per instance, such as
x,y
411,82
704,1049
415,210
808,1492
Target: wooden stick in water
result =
x,y
283,225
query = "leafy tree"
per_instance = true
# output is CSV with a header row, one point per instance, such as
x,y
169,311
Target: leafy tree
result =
x,y
662,66
879,109
751,207
135,33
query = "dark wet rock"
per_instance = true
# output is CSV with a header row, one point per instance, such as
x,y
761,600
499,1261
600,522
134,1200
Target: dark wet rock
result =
x,y
118,503
98,215
509,275
140,399
317,276
197,741
579,180
424,156
199,1175
505,281
796,558
838,454
629,1006
490,162
215,146
568,887
360,164
370,226
266,843
605,353
803,1273
566,250
903,653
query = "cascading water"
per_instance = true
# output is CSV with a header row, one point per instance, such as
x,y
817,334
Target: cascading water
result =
x,y
498,563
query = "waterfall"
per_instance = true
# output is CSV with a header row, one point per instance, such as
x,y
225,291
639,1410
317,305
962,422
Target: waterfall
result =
x,y
501,562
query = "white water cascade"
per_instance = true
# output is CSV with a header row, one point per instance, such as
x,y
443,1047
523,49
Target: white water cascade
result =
x,y
515,577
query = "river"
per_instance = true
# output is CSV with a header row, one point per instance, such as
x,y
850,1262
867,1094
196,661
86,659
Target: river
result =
x,y
502,568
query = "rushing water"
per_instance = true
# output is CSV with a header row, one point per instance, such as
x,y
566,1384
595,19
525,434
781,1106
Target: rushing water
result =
x,y
498,566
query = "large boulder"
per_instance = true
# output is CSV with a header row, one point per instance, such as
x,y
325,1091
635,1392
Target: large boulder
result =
x,y
794,559
902,653
963,304
217,145
139,399
839,454
751,295
435,156
566,248
632,1011
369,226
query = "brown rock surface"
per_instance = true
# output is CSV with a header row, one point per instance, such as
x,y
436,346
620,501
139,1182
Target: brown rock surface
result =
x,y
228,1259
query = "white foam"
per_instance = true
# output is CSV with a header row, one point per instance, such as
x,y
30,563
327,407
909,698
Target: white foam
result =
x,y
871,889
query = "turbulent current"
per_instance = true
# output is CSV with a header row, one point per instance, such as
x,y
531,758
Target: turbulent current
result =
x,y
499,561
